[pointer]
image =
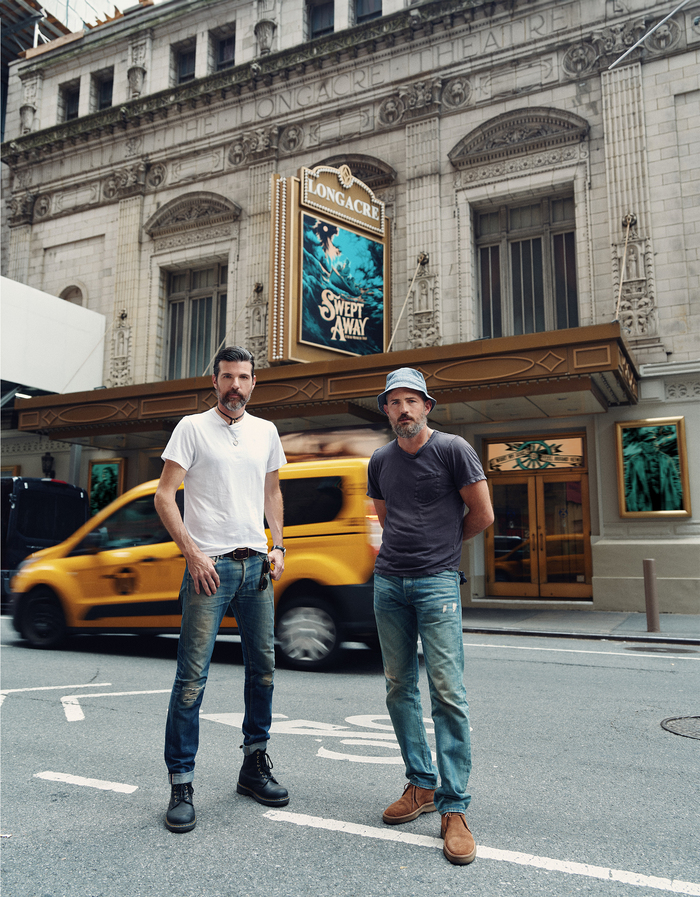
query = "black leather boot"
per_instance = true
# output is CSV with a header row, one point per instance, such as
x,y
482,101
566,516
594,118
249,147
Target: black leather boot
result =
x,y
180,816
256,780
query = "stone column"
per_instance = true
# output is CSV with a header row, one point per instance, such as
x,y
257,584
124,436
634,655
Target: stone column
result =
x,y
628,194
420,325
258,263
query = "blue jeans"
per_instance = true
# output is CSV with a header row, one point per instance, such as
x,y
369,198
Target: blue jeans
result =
x,y
201,617
406,607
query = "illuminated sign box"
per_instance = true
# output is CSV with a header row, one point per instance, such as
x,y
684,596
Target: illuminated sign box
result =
x,y
329,267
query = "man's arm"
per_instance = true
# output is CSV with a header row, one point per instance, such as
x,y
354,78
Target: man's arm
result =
x,y
480,514
200,566
274,511
380,508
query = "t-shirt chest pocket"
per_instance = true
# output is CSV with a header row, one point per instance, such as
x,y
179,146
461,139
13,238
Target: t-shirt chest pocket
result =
x,y
427,488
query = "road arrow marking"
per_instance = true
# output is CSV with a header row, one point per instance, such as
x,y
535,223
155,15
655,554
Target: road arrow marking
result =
x,y
12,691
675,886
74,712
88,783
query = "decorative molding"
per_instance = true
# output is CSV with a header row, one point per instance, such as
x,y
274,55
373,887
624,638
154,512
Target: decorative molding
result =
x,y
410,102
683,389
368,169
424,313
254,146
521,166
124,182
519,133
21,207
192,212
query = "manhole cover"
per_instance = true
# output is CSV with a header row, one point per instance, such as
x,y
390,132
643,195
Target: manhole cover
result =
x,y
688,726
660,649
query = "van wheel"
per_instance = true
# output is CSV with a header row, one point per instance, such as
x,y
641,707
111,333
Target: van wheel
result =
x,y
43,623
308,633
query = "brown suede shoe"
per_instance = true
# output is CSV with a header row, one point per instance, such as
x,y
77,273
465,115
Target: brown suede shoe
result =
x,y
459,847
410,805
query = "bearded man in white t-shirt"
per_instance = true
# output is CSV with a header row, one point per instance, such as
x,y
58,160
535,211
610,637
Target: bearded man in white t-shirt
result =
x,y
229,462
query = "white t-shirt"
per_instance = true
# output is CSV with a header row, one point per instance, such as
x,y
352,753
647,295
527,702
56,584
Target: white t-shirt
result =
x,y
225,479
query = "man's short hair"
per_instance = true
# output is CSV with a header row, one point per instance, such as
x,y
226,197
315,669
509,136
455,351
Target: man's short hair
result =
x,y
233,353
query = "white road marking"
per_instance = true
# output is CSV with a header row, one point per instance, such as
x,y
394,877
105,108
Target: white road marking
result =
x,y
675,886
88,783
74,712
10,691
581,651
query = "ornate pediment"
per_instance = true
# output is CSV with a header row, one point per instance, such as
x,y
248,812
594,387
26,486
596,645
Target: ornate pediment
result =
x,y
517,133
192,211
372,172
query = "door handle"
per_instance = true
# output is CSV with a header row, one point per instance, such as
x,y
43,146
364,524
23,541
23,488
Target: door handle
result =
x,y
541,542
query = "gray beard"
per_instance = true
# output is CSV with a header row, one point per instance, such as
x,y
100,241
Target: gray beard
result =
x,y
234,406
408,431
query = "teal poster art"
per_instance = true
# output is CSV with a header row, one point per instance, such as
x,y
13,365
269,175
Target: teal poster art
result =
x,y
342,289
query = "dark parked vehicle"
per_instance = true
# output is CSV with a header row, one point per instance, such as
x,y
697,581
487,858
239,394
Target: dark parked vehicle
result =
x,y
37,513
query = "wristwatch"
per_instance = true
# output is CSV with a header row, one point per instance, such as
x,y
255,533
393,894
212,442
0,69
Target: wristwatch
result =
x,y
280,548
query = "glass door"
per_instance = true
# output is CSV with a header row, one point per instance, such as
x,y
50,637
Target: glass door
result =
x,y
539,544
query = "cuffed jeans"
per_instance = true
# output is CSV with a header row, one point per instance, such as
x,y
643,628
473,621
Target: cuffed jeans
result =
x,y
406,607
201,617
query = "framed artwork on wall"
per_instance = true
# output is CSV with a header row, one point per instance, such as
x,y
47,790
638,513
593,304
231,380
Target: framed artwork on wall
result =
x,y
105,482
652,468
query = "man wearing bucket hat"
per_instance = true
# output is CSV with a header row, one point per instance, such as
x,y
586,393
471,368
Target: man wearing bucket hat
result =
x,y
420,484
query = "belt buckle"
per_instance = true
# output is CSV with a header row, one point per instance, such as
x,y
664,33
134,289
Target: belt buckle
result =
x,y
240,554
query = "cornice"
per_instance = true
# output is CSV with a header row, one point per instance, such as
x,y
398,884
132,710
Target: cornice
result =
x,y
588,54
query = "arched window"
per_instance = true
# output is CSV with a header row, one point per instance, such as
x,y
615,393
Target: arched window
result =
x,y
73,294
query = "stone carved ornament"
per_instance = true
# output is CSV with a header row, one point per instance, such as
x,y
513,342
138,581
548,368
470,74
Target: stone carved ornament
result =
x,y
191,211
254,145
611,42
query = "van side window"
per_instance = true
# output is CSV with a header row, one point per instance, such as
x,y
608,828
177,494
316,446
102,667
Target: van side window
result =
x,y
134,524
311,499
47,516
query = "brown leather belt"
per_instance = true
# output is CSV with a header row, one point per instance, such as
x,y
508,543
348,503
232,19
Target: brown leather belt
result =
x,y
240,554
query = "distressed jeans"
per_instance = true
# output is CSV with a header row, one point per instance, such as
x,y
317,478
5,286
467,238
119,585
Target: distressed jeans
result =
x,y
406,607
201,618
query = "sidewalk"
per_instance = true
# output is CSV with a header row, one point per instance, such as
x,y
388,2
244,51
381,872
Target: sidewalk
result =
x,y
678,629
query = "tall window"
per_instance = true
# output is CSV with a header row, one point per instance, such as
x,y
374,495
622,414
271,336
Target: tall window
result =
x,y
321,18
101,90
367,9
527,267
226,52
183,57
68,101
196,319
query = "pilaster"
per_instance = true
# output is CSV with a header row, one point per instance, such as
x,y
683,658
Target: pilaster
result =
x,y
119,357
258,239
628,195
423,227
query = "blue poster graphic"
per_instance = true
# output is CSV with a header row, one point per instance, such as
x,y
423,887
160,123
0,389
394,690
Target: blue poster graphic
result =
x,y
342,289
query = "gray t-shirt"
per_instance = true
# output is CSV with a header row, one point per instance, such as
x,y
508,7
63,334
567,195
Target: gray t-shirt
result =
x,y
424,511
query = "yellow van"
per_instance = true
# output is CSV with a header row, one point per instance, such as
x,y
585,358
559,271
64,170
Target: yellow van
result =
x,y
121,572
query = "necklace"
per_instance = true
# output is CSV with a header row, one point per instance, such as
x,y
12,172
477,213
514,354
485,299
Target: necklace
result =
x,y
232,420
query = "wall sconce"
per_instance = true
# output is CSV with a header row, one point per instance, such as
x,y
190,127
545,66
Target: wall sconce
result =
x,y
47,465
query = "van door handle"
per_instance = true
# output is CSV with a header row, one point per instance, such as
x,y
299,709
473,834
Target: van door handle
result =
x,y
148,560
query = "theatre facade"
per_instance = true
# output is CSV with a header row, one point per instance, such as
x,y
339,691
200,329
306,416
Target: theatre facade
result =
x,y
466,188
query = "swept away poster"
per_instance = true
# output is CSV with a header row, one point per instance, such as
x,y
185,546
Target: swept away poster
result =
x,y
342,289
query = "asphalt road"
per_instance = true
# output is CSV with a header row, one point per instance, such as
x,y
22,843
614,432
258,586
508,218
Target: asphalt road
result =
x,y
577,789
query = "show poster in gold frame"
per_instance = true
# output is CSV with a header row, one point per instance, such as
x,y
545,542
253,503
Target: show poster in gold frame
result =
x,y
652,468
330,267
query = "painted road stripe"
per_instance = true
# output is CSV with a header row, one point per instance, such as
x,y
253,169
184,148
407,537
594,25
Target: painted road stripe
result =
x,y
12,691
581,651
490,853
74,712
88,783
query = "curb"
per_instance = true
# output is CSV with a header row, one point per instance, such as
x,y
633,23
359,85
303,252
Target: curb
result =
x,y
597,636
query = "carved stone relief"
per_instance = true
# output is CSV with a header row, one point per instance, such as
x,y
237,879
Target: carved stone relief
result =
x,y
125,182
637,313
256,337
255,145
424,313
292,139
683,389
412,101
120,364
21,209
265,33
193,218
